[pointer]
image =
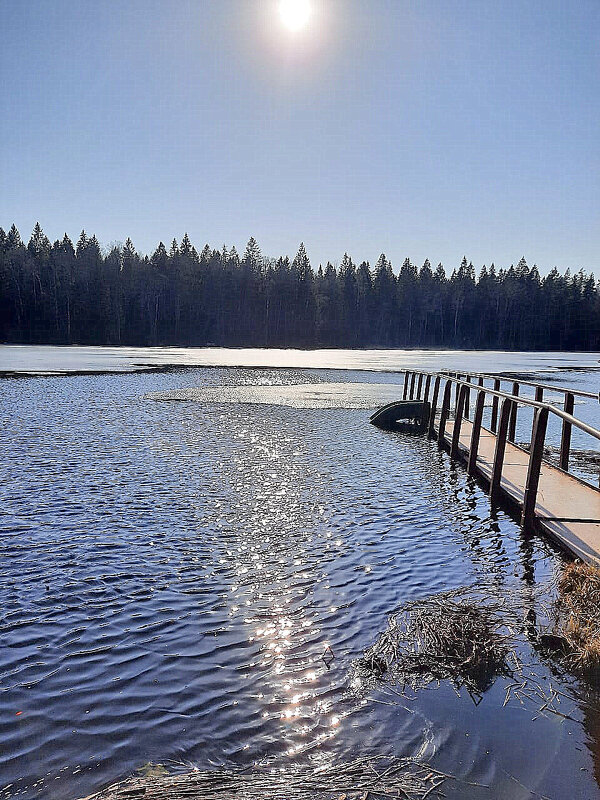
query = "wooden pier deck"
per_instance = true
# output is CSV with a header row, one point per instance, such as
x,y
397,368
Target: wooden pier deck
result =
x,y
548,497
567,509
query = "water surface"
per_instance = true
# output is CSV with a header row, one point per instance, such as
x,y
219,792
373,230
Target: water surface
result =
x,y
173,573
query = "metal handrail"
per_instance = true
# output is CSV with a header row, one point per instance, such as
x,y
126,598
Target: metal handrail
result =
x,y
505,431
576,392
526,401
503,424
518,399
428,388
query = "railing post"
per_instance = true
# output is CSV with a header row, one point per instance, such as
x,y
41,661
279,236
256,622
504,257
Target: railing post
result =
x,y
420,385
467,397
500,447
474,448
427,385
565,440
457,391
412,385
494,422
444,412
405,393
539,394
512,429
536,453
434,401
460,407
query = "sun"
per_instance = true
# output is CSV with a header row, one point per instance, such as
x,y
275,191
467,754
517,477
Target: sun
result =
x,y
294,13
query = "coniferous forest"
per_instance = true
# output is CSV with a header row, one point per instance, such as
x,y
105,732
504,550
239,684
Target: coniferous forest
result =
x,y
63,293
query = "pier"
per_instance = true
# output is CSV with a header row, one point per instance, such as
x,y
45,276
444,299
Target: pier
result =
x,y
547,496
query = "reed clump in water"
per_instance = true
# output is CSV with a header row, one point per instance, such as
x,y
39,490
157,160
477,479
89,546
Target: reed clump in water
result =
x,y
579,610
375,778
446,637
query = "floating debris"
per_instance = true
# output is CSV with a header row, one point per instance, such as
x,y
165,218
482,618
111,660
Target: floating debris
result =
x,y
370,778
554,643
470,639
328,656
374,663
445,637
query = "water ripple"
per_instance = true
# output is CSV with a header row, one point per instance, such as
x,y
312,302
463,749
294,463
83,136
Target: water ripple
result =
x,y
173,574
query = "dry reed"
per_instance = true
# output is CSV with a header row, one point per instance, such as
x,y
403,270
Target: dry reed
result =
x,y
445,637
578,609
371,778
459,636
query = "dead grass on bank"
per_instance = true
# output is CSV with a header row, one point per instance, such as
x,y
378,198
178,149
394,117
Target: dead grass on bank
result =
x,y
579,613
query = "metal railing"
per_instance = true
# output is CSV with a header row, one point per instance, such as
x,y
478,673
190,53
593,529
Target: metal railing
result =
x,y
505,405
508,379
569,396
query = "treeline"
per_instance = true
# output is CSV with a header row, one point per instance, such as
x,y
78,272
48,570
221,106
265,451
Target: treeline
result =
x,y
77,294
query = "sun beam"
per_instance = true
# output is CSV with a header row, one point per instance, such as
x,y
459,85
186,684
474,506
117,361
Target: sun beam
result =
x,y
294,13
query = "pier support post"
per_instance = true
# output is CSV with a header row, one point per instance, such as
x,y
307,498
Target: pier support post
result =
x,y
494,422
457,392
434,402
476,432
458,416
565,440
427,386
505,411
536,453
512,428
444,412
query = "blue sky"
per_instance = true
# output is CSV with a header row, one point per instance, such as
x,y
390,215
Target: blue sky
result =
x,y
421,129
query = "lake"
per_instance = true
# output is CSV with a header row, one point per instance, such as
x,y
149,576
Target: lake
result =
x,y
174,572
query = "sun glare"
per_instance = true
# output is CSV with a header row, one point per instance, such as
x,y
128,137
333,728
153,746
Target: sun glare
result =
x,y
294,13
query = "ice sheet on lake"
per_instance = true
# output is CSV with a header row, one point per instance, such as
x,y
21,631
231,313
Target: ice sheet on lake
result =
x,y
304,395
44,359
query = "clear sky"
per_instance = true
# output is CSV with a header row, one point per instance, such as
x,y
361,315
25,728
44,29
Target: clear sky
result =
x,y
424,129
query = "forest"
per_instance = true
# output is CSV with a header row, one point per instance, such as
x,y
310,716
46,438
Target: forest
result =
x,y
63,293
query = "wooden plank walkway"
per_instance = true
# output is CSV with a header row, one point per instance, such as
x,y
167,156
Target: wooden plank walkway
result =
x,y
566,508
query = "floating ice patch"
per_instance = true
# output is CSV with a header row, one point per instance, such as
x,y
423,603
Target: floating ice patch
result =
x,y
303,395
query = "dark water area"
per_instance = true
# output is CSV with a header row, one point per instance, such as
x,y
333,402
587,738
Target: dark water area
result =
x,y
173,572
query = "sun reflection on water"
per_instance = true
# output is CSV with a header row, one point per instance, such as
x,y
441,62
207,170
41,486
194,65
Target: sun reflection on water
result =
x,y
281,622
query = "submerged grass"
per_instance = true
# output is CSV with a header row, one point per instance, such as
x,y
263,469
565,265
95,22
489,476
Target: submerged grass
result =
x,y
448,636
464,637
371,778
